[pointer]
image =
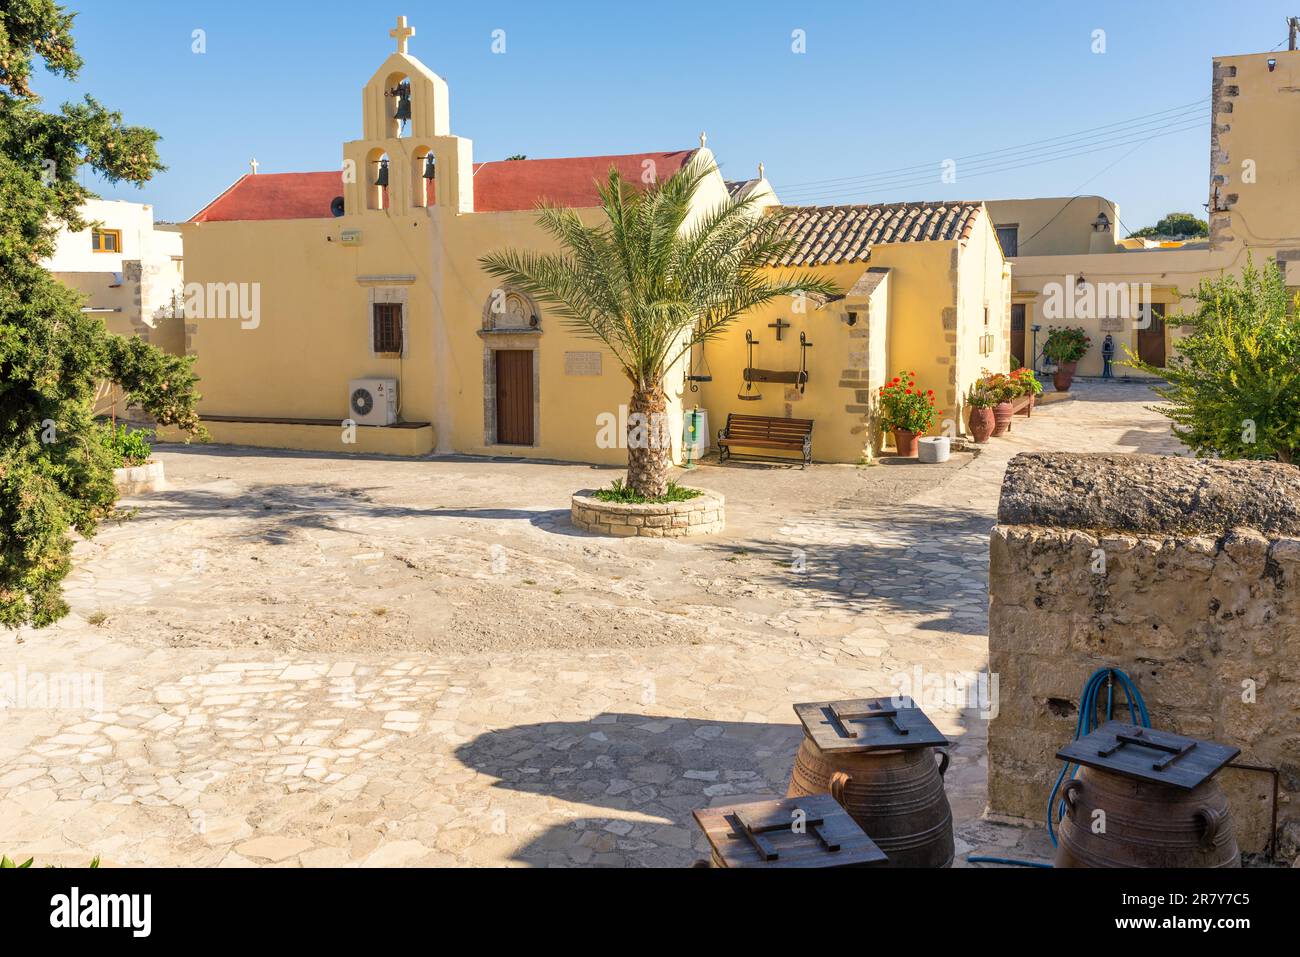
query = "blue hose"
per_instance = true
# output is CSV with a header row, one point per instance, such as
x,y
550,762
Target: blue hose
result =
x,y
1087,723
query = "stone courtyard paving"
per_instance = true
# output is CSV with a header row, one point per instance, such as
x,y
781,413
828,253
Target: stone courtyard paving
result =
x,y
315,660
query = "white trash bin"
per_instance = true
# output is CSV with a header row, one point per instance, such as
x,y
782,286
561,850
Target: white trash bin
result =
x,y
933,449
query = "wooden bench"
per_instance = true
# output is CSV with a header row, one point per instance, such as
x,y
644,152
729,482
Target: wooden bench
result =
x,y
1024,405
766,432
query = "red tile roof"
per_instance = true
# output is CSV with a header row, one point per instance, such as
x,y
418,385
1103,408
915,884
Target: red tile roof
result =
x,y
498,186
275,196
522,184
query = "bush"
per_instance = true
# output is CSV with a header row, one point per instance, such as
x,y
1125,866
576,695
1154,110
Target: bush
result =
x,y
1233,382
128,447
625,494
905,407
1066,344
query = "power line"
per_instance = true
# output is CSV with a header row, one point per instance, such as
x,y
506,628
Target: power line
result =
x,y
1143,120
930,179
1021,159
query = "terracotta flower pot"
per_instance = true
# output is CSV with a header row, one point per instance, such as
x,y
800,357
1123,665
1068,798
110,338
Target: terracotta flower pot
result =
x,y
1063,378
905,442
1002,417
981,424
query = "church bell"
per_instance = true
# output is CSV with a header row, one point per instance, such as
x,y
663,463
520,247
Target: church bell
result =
x,y
403,94
430,169
382,178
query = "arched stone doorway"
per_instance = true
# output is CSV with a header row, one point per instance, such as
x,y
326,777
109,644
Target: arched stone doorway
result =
x,y
511,333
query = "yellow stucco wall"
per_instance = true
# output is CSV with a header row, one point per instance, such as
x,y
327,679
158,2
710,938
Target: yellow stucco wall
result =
x,y
1057,225
313,332
983,318
1255,150
1173,275
835,402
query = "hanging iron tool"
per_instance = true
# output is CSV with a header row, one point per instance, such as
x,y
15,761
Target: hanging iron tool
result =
x,y
749,395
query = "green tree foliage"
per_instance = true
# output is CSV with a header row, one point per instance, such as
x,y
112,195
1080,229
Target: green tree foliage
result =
x,y
1234,380
1175,226
55,468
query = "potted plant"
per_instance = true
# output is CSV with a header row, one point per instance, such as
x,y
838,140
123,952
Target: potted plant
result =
x,y
981,400
1030,387
1065,346
906,411
1005,390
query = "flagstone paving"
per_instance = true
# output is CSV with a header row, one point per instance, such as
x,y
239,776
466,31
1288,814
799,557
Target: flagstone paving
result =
x,y
328,661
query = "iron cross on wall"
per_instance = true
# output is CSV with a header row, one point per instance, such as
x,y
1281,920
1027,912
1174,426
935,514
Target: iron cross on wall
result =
x,y
778,326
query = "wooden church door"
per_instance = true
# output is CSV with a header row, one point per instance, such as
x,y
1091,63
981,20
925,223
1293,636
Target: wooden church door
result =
x,y
514,368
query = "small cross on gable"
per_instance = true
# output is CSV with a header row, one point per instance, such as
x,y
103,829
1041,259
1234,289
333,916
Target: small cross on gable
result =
x,y
402,34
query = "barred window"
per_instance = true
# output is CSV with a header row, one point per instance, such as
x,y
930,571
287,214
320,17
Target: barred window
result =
x,y
388,327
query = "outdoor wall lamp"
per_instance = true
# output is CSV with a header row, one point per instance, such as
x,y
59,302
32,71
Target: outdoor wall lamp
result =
x,y
1101,224
1272,64
1081,283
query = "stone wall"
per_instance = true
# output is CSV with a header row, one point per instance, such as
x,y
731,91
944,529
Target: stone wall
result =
x,y
703,515
1183,573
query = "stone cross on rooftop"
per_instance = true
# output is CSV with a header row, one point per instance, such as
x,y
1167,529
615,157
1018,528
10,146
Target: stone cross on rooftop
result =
x,y
402,33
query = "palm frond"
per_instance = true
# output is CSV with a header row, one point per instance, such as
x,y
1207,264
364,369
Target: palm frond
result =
x,y
647,284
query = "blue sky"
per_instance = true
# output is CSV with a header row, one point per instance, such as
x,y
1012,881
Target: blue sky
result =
x,y
882,87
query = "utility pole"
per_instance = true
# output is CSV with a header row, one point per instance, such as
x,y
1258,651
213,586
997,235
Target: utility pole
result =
x,y
1293,26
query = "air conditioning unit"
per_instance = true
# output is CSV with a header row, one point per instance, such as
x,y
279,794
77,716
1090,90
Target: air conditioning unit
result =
x,y
372,401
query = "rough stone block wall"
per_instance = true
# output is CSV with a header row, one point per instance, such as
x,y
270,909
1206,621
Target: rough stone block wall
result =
x,y
1183,573
702,515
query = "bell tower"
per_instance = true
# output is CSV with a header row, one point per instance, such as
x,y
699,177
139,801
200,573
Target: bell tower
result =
x,y
407,158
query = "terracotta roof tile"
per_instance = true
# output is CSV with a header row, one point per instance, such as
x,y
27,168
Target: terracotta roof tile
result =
x,y
498,186
826,235
522,184
275,196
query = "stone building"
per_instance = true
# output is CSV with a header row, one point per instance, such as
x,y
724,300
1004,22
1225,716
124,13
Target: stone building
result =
x,y
131,272
1068,249
371,275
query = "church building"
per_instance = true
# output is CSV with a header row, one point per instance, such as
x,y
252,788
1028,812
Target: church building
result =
x,y
347,310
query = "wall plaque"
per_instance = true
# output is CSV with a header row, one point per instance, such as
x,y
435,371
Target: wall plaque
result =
x,y
582,363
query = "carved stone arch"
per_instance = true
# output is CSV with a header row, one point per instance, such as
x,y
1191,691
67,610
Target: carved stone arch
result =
x,y
509,310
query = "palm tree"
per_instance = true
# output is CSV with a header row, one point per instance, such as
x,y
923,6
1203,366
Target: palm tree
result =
x,y
649,287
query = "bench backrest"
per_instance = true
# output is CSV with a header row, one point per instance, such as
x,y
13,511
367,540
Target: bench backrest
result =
x,y
767,427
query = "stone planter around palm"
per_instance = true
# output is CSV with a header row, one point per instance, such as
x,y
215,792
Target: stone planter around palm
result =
x,y
981,424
